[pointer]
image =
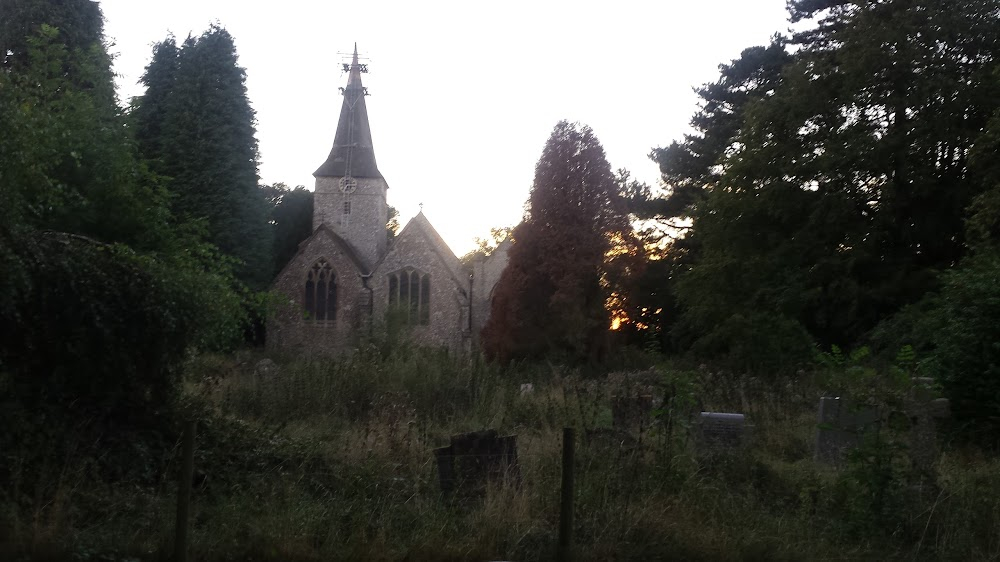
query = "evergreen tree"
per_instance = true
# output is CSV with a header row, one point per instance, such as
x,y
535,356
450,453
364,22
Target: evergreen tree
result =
x,y
67,163
149,111
102,299
846,185
690,169
550,297
291,219
80,26
196,127
953,331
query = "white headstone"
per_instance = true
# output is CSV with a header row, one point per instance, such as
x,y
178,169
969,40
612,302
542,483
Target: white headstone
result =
x,y
721,430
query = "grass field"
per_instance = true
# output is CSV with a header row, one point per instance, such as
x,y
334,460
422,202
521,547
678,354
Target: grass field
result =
x,y
332,460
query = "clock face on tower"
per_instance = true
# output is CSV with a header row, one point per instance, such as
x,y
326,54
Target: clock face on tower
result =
x,y
348,184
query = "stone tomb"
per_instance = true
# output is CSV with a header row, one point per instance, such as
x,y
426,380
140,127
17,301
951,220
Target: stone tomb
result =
x,y
473,460
715,431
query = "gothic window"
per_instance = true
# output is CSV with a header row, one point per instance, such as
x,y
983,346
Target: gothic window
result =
x,y
410,291
321,293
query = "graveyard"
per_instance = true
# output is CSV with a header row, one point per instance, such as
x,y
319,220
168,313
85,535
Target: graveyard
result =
x,y
758,322
417,455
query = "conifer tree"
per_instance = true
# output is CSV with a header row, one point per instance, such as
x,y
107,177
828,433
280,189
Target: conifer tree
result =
x,y
690,170
65,160
291,220
80,26
844,187
550,298
196,127
149,110
100,299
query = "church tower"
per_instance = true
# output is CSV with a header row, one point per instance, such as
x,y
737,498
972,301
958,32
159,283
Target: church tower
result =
x,y
350,195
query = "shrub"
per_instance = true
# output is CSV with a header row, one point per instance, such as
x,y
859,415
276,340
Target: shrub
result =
x,y
954,334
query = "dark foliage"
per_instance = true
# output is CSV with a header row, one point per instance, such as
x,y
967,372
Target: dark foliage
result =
x,y
550,299
291,220
690,170
95,329
101,296
195,126
830,182
78,23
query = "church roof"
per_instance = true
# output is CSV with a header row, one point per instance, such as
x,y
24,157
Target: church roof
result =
x,y
323,230
352,153
437,242
441,249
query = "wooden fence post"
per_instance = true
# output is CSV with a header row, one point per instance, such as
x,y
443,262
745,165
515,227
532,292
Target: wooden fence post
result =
x,y
184,492
566,505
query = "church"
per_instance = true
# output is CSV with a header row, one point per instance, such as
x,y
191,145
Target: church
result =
x,y
350,276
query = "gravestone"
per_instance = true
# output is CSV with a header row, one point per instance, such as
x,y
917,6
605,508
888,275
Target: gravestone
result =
x,y
631,412
841,426
924,408
473,460
715,431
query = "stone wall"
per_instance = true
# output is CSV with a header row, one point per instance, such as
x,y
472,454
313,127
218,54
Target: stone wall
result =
x,y
486,275
459,306
364,227
289,329
449,324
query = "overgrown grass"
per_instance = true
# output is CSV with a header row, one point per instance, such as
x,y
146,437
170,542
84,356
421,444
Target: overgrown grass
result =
x,y
313,459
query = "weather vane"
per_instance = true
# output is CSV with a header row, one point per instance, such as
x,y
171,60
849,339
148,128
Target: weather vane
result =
x,y
346,66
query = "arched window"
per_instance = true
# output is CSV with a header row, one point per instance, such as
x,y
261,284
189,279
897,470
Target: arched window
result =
x,y
410,290
321,293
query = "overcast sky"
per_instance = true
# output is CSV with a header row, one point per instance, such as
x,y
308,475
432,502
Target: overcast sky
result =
x,y
463,94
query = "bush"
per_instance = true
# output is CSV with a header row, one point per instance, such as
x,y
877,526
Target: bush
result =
x,y
95,338
954,334
760,343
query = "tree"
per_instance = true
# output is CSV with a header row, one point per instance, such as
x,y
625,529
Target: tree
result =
x,y
845,187
953,330
486,246
67,163
103,299
80,26
196,127
691,167
550,298
690,170
291,221
149,111
391,224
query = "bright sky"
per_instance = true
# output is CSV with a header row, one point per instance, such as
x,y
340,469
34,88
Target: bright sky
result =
x,y
463,94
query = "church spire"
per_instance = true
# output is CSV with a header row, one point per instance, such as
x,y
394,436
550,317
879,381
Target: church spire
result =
x,y
352,154
355,70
